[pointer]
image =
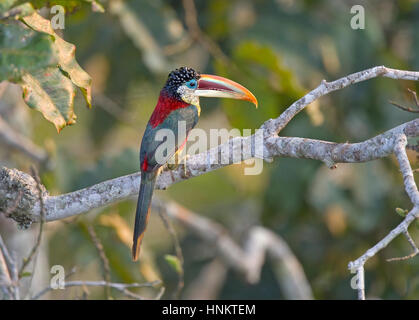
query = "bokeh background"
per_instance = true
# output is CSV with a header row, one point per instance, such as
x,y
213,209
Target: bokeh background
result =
x,y
280,50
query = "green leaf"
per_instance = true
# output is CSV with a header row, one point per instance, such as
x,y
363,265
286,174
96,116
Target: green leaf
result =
x,y
27,7
174,262
66,55
401,212
24,51
25,274
35,57
52,93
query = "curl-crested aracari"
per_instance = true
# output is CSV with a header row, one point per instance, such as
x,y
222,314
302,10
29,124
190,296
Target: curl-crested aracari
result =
x,y
178,102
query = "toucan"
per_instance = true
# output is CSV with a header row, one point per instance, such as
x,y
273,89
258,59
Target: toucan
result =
x,y
178,104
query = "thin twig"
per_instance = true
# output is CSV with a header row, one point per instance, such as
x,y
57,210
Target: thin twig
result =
x,y
122,287
103,258
160,293
412,244
408,109
71,273
412,192
35,248
415,97
181,274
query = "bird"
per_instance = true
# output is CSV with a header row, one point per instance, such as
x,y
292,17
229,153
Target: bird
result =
x,y
178,103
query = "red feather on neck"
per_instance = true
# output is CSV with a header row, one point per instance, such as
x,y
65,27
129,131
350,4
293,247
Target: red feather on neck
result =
x,y
165,105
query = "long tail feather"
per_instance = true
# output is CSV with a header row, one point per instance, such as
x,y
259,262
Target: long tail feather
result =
x,y
148,181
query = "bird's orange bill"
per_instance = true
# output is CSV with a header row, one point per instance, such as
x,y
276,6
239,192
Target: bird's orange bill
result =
x,y
219,87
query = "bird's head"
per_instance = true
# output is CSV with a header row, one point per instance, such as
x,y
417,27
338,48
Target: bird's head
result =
x,y
188,85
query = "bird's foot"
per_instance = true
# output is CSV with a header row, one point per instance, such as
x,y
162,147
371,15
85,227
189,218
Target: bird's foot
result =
x,y
173,166
177,161
173,162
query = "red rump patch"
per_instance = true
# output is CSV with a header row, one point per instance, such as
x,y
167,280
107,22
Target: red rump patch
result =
x,y
165,105
144,166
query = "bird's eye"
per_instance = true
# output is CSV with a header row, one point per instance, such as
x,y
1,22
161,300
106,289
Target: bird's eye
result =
x,y
191,84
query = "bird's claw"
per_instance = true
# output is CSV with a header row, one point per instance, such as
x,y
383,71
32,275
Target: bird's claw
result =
x,y
172,166
177,161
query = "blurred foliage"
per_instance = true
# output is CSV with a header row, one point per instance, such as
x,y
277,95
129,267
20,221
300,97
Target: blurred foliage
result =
x,y
26,6
280,49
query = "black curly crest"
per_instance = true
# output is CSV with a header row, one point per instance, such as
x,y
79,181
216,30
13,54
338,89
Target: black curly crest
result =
x,y
178,77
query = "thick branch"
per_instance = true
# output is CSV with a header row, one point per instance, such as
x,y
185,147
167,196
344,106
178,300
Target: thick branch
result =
x,y
107,192
405,168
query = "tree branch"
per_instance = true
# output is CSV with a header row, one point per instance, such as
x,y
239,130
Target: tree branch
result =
x,y
412,191
103,258
327,87
104,193
110,191
412,244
